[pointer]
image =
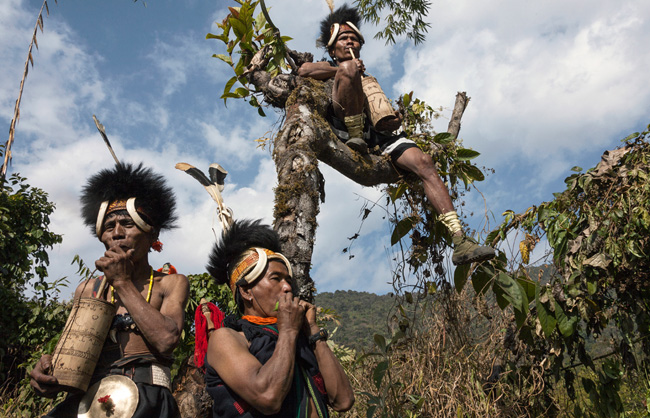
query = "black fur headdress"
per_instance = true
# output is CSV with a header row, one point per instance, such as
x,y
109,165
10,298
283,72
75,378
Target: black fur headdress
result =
x,y
153,197
241,236
342,15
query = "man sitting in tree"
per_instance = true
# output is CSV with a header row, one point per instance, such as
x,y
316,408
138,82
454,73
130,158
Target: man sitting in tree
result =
x,y
126,208
274,360
343,40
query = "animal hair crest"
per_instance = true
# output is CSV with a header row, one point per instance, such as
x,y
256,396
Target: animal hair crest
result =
x,y
341,15
242,235
153,196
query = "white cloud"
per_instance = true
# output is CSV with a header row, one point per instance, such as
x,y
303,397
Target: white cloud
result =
x,y
552,85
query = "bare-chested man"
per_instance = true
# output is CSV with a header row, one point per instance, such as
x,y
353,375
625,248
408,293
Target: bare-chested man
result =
x,y
275,360
341,37
126,208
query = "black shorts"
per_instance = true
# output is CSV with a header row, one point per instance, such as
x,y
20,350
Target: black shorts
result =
x,y
389,144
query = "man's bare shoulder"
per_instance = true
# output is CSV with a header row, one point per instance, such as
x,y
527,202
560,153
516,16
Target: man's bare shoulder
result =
x,y
173,281
86,287
225,339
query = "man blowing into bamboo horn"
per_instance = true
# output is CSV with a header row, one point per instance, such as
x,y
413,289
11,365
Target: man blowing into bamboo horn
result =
x,y
127,207
343,40
275,360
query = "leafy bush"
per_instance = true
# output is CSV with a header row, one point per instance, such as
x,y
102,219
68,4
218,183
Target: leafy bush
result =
x,y
24,239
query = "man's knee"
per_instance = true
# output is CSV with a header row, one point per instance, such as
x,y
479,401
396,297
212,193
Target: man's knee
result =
x,y
420,163
348,69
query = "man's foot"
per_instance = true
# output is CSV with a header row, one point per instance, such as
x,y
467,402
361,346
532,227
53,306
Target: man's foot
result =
x,y
357,144
466,251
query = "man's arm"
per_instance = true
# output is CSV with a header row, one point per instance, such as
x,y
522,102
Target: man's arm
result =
x,y
339,390
162,329
264,387
317,70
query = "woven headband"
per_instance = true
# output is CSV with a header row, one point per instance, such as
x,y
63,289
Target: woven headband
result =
x,y
105,208
251,267
334,31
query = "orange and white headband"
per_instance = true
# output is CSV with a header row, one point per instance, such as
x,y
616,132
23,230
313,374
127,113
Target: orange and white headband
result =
x,y
251,267
334,32
105,208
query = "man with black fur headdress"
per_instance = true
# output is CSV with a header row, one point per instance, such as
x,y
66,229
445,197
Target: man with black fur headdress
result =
x,y
127,207
274,360
341,36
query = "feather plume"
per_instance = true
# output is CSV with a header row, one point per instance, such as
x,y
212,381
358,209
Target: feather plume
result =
x,y
330,4
214,186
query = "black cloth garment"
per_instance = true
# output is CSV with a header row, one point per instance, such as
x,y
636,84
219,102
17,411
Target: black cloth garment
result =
x,y
154,401
307,377
371,136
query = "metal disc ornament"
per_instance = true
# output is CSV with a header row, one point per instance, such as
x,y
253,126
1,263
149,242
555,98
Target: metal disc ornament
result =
x,y
113,396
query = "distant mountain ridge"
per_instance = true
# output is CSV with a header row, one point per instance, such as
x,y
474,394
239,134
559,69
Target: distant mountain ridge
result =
x,y
361,315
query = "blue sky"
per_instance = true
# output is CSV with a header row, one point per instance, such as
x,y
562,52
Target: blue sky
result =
x,y
552,85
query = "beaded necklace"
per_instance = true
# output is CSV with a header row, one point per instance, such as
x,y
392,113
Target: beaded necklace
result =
x,y
148,291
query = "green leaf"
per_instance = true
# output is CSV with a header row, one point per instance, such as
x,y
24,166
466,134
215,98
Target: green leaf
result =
x,y
481,278
566,324
380,341
520,317
529,287
229,85
443,138
492,236
592,287
241,92
630,136
514,293
576,169
473,172
465,154
370,413
460,276
379,372
396,193
546,318
225,58
238,27
406,99
230,96
499,293
402,228
260,21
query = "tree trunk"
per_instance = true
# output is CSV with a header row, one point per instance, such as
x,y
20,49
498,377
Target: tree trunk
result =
x,y
304,139
189,391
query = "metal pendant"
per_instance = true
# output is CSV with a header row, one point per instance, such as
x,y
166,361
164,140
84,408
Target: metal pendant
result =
x,y
114,396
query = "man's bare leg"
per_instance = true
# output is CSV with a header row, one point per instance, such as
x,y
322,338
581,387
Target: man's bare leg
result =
x,y
465,251
416,161
347,100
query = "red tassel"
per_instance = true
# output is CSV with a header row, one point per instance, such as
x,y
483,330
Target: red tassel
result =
x,y
201,330
157,246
